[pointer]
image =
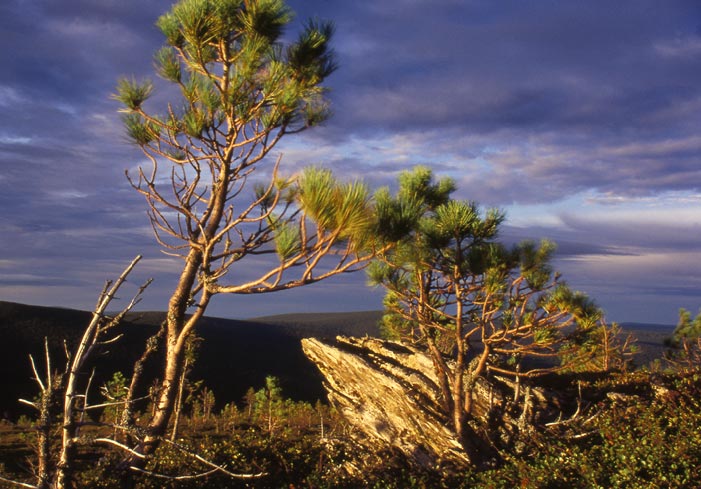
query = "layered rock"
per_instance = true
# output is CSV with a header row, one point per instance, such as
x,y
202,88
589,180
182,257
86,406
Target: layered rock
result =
x,y
389,393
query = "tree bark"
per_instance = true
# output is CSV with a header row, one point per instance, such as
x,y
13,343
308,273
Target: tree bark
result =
x,y
179,402
128,421
178,328
44,467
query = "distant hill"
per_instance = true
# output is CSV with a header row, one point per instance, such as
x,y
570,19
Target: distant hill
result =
x,y
649,327
236,354
326,325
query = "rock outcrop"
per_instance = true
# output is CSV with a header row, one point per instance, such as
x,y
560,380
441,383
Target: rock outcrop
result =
x,y
389,392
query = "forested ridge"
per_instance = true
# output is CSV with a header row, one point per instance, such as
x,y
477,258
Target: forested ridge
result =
x,y
239,353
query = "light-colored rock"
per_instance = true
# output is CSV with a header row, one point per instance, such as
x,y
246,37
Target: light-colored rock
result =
x,y
388,391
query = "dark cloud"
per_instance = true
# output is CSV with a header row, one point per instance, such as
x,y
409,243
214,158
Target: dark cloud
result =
x,y
574,78
520,102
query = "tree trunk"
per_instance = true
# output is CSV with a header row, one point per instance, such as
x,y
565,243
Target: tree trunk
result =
x,y
44,468
166,400
178,403
127,422
473,376
176,338
458,383
459,414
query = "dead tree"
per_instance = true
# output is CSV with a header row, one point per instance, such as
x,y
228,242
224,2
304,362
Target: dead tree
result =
x,y
94,336
48,387
55,468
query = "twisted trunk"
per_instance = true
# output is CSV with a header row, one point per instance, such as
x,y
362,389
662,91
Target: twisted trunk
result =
x,y
178,327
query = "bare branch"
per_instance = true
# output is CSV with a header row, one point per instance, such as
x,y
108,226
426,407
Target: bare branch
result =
x,y
36,374
115,403
19,484
208,463
29,403
173,477
110,441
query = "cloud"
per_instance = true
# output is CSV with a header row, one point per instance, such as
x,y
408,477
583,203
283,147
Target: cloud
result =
x,y
555,100
548,109
503,168
9,96
7,139
688,47
26,279
662,200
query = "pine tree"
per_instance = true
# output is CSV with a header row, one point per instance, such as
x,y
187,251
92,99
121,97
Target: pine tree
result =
x,y
686,342
241,91
477,306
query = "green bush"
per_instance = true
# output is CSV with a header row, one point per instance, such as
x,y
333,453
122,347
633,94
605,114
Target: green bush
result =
x,y
636,443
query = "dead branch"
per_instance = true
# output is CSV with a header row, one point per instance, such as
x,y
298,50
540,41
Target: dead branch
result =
x,y
16,483
173,477
110,441
185,450
91,338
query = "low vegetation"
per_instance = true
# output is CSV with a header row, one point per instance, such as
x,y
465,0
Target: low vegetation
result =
x,y
649,438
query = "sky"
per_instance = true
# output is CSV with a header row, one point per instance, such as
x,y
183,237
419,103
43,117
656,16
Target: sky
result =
x,y
581,120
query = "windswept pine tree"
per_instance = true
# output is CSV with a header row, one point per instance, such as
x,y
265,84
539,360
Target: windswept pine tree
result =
x,y
240,92
478,307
